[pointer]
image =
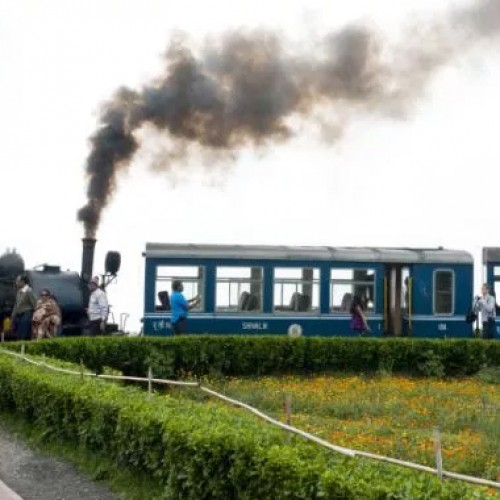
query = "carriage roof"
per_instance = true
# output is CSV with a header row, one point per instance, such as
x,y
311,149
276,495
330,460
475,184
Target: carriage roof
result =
x,y
313,253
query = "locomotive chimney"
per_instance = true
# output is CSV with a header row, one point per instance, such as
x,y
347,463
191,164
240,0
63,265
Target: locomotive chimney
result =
x,y
87,258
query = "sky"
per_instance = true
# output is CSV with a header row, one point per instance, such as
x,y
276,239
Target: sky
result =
x,y
427,180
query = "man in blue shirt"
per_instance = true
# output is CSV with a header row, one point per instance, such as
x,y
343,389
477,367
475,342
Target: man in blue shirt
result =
x,y
180,307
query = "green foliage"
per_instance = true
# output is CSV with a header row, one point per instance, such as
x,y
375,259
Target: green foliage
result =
x,y
431,364
255,356
125,483
196,451
489,375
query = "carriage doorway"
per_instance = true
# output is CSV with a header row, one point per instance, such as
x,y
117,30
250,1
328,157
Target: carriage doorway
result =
x,y
397,298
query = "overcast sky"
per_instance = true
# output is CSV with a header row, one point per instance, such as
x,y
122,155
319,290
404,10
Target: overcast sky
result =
x,y
428,180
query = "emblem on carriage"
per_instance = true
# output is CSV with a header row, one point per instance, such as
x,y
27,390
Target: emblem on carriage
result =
x,y
295,330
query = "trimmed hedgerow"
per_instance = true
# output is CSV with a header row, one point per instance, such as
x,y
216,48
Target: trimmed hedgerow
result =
x,y
202,452
242,356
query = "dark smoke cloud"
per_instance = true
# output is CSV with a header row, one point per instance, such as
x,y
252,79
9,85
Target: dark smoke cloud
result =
x,y
245,89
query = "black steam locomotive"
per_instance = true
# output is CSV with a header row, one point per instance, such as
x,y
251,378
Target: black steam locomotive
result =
x,y
69,288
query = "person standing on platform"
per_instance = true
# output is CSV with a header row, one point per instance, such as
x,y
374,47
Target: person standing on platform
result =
x,y
98,308
486,305
23,309
47,316
359,323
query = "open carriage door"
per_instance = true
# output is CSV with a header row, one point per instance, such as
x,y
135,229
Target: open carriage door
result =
x,y
491,263
397,300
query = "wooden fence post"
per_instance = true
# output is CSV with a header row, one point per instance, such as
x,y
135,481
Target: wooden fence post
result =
x,y
288,408
438,451
150,381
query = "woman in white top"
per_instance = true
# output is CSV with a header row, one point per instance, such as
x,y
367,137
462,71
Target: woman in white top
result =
x,y
486,305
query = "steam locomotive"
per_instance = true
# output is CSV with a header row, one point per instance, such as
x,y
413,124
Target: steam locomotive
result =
x,y
68,287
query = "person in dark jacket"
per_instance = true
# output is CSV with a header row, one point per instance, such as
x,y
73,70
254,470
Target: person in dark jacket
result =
x,y
23,309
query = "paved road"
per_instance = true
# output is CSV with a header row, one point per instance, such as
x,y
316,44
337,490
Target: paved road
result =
x,y
7,494
36,476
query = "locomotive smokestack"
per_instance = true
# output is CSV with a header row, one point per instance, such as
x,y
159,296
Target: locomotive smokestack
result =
x,y
87,258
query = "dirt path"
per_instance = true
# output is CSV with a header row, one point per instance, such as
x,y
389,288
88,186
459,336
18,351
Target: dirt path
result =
x,y
36,476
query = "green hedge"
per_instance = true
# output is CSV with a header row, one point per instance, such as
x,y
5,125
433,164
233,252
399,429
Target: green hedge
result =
x,y
237,356
199,451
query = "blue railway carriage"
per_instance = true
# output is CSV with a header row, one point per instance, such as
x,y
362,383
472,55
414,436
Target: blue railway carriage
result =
x,y
308,290
491,266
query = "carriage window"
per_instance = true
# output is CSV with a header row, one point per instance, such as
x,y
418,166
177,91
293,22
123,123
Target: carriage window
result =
x,y
239,289
296,289
443,292
346,283
496,288
192,278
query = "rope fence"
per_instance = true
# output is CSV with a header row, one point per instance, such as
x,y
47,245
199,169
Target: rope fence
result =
x,y
438,471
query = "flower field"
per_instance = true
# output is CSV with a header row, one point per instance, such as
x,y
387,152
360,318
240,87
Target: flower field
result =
x,y
394,416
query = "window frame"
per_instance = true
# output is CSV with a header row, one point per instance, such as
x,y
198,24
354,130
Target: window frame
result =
x,y
332,281
228,281
434,291
201,285
314,281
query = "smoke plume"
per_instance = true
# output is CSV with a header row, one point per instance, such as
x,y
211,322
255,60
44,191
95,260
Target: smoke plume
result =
x,y
246,89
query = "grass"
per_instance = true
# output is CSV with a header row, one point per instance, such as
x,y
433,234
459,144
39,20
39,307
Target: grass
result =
x,y
388,415
126,485
489,375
